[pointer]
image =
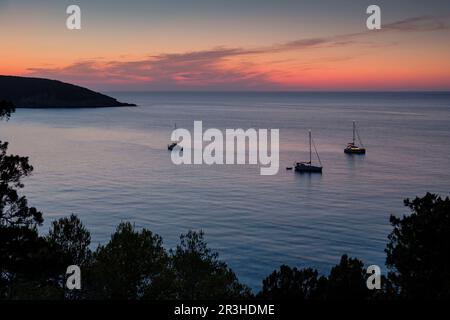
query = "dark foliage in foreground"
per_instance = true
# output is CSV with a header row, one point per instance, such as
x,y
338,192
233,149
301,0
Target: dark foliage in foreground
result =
x,y
199,274
6,109
293,284
21,249
132,265
346,281
135,265
418,253
418,256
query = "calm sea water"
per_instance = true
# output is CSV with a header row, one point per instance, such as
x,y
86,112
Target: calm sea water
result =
x,y
111,165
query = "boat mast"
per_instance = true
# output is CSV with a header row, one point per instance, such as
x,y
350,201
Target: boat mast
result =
x,y
310,159
353,132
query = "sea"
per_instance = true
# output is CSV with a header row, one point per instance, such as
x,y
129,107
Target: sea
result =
x,y
109,165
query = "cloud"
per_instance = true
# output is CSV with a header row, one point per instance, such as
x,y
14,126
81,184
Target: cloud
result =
x,y
420,23
197,69
184,70
210,69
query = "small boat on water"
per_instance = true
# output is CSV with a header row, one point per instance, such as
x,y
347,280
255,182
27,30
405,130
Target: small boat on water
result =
x,y
308,167
352,148
173,144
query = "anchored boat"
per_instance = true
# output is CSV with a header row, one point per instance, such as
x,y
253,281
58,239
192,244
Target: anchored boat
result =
x,y
352,148
173,144
305,167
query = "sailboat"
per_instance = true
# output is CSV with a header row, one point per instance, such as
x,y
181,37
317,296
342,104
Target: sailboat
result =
x,y
352,148
173,144
304,167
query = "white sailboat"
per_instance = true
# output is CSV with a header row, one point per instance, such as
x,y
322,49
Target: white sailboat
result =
x,y
352,148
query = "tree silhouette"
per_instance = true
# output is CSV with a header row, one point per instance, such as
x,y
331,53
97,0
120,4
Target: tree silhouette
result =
x,y
199,274
293,284
418,252
6,109
68,243
347,280
14,210
20,245
130,266
70,239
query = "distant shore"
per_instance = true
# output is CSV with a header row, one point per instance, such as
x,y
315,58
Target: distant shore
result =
x,y
26,92
79,107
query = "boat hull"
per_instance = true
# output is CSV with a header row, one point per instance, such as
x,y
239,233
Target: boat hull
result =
x,y
355,151
308,169
171,146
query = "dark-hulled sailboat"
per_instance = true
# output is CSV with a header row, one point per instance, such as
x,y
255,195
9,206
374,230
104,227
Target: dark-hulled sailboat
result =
x,y
308,167
352,148
173,144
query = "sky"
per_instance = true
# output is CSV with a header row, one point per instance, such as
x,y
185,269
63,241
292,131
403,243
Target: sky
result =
x,y
229,45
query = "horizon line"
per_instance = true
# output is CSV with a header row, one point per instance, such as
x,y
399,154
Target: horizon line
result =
x,y
277,91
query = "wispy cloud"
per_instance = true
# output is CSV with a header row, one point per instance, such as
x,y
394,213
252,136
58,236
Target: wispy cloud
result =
x,y
184,70
187,70
209,68
420,23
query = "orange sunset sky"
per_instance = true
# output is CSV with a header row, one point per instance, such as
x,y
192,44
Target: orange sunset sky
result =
x,y
229,45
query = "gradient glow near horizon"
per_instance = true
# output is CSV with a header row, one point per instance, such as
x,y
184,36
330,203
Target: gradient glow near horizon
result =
x,y
233,45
